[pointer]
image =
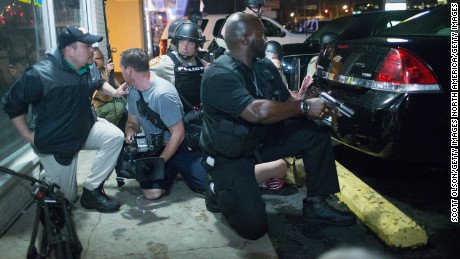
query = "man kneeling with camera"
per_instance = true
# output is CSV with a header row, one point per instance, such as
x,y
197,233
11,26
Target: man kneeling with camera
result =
x,y
154,105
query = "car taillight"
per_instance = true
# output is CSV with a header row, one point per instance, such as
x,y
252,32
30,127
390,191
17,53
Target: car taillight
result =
x,y
402,67
163,46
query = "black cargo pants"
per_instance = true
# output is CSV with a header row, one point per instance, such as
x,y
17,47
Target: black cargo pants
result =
x,y
238,194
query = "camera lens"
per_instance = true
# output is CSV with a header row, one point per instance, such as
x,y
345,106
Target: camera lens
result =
x,y
148,168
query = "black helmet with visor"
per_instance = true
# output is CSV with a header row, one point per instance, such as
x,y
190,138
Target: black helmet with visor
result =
x,y
188,31
173,26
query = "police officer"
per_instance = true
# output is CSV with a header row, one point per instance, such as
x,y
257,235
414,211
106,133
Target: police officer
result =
x,y
274,52
172,29
182,67
250,116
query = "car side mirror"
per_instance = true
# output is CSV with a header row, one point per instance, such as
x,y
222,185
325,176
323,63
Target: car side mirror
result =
x,y
327,38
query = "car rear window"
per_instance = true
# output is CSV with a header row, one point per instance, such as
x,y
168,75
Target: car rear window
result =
x,y
334,26
204,23
433,22
217,28
364,25
271,30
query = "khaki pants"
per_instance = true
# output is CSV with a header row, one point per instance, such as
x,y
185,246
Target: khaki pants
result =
x,y
104,137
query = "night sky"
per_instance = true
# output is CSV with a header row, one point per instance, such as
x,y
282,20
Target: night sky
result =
x,y
222,6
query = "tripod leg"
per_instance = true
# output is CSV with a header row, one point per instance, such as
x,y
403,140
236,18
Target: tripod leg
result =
x,y
49,234
59,251
32,250
44,249
62,246
74,242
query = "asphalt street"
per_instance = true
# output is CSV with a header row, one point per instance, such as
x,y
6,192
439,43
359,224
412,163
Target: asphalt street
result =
x,y
417,189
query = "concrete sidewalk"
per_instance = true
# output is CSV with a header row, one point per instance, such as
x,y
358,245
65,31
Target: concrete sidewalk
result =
x,y
176,226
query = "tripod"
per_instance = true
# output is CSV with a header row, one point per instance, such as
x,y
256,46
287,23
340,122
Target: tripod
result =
x,y
59,238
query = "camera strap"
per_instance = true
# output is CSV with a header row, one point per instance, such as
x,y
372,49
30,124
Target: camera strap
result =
x,y
150,114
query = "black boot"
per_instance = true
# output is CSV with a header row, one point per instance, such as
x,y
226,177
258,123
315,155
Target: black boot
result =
x,y
97,199
318,210
210,197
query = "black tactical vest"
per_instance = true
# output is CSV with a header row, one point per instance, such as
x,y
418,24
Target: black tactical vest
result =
x,y
188,82
232,137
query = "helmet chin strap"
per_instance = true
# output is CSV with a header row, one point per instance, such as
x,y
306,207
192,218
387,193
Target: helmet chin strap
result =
x,y
184,56
258,12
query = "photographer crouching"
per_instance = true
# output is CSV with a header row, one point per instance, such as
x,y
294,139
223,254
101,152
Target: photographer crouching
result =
x,y
154,105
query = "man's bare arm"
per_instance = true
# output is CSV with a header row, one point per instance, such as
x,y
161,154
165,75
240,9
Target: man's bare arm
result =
x,y
177,136
114,92
131,129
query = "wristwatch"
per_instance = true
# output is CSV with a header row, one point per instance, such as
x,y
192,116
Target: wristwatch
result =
x,y
305,107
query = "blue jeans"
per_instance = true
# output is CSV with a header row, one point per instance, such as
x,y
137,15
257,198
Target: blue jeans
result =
x,y
188,164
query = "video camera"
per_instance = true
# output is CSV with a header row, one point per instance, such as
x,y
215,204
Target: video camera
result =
x,y
139,160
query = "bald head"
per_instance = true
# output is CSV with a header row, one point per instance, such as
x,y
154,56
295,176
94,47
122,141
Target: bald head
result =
x,y
239,25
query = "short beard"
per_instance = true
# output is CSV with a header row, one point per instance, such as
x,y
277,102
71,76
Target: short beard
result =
x,y
256,50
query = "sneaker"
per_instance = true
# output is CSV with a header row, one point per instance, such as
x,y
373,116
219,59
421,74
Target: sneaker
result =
x,y
97,199
210,198
272,185
319,210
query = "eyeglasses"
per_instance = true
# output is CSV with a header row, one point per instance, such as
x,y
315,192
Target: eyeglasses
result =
x,y
99,58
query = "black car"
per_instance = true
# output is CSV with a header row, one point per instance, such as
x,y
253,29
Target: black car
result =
x,y
398,85
364,25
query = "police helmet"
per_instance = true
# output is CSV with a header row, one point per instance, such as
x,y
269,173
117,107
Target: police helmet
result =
x,y
255,6
195,16
274,47
254,3
189,31
173,26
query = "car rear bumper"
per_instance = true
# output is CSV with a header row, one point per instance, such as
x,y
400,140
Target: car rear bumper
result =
x,y
393,125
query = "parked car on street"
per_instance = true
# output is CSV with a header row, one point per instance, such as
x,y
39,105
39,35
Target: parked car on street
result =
x,y
297,56
399,87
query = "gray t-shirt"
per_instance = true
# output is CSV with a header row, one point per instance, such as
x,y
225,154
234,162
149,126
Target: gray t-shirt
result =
x,y
162,98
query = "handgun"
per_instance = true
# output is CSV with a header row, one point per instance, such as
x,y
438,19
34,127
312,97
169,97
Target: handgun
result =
x,y
345,110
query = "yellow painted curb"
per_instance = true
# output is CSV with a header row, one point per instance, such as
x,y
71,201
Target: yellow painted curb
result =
x,y
383,218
